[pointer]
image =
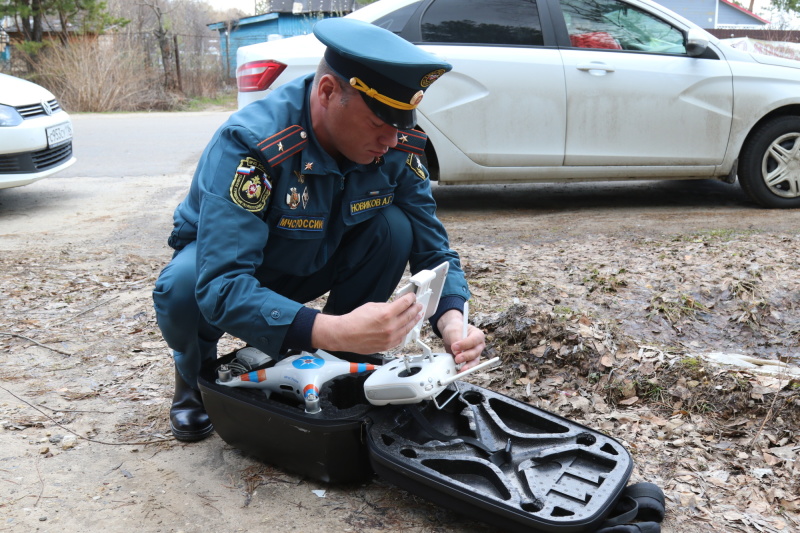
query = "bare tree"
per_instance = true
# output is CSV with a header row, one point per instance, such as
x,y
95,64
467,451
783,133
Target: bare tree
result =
x,y
164,38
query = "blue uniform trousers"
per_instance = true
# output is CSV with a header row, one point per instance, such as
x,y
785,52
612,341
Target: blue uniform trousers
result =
x,y
366,267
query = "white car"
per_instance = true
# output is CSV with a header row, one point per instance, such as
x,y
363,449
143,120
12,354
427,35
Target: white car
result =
x,y
35,133
569,90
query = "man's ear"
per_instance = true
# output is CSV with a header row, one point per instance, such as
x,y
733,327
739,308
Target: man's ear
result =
x,y
326,88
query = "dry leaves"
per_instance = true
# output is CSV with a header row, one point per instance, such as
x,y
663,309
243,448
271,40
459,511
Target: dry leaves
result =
x,y
612,338
721,440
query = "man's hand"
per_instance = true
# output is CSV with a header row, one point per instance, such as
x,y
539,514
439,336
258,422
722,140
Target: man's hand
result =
x,y
371,328
467,349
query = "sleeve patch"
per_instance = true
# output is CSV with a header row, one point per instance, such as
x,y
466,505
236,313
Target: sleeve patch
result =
x,y
250,187
415,164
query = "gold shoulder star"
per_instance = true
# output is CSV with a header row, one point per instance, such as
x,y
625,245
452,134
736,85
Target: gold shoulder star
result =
x,y
280,146
403,138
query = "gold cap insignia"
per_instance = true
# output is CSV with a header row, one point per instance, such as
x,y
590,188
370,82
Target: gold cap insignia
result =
x,y
431,77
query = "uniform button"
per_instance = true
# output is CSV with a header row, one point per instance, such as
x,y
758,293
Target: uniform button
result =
x,y
275,314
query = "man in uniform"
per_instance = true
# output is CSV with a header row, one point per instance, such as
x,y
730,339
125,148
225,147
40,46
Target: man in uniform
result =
x,y
317,188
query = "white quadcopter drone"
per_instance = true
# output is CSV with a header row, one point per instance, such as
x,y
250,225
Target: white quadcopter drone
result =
x,y
403,380
298,376
413,378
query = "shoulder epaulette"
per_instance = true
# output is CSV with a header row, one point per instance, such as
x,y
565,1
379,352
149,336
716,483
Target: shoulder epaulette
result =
x,y
284,144
411,141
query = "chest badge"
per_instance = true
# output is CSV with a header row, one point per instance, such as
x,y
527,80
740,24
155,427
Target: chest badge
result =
x,y
293,198
300,177
305,197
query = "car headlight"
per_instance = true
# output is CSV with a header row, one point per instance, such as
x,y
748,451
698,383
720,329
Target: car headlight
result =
x,y
9,116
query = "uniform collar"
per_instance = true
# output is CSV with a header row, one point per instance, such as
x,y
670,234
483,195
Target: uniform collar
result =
x,y
313,159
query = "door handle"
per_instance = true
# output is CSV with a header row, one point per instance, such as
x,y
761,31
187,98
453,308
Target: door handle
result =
x,y
595,66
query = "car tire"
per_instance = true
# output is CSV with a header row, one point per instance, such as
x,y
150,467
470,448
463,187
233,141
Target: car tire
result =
x,y
769,167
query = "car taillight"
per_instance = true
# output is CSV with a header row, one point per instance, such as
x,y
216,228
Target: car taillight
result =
x,y
258,75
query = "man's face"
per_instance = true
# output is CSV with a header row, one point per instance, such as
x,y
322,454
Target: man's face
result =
x,y
355,132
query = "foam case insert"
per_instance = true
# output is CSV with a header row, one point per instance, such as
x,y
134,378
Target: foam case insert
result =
x,y
529,470
483,454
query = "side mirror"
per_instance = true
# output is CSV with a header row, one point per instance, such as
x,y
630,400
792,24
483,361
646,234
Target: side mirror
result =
x,y
696,42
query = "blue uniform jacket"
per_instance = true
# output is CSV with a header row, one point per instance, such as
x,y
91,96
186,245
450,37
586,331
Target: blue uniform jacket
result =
x,y
266,193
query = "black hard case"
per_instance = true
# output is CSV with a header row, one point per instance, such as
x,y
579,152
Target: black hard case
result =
x,y
484,454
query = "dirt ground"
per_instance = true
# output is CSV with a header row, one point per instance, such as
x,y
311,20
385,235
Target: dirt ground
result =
x,y
607,314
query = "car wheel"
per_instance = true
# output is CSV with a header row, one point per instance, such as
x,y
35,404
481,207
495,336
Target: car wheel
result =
x,y
769,168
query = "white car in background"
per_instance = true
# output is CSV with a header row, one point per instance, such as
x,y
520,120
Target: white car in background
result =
x,y
35,133
576,90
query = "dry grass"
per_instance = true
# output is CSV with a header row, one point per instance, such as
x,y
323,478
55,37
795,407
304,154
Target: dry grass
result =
x,y
107,75
91,76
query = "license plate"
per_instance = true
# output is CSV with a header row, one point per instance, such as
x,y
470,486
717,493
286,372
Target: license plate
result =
x,y
58,134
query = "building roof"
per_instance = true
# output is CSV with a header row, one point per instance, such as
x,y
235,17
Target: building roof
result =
x,y
746,12
311,6
242,21
290,7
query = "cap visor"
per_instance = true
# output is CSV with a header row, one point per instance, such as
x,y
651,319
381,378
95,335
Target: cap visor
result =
x,y
398,118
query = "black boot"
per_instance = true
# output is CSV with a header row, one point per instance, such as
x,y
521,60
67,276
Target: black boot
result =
x,y
187,416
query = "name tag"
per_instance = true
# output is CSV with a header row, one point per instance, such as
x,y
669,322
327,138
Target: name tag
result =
x,y
301,223
359,206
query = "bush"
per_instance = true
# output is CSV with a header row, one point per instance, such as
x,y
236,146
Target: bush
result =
x,y
101,75
202,76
